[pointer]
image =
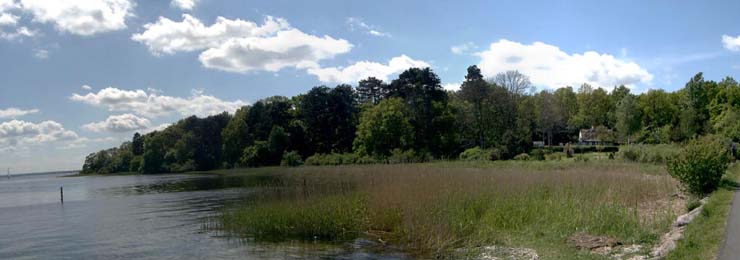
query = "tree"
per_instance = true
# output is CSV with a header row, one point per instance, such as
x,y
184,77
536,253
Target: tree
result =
x,y
427,102
384,127
235,137
371,90
628,117
329,117
514,81
137,144
476,91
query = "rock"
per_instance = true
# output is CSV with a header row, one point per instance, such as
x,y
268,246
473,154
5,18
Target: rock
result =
x,y
667,243
685,219
503,253
598,244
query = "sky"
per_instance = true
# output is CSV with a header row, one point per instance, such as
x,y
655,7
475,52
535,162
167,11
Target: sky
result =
x,y
80,76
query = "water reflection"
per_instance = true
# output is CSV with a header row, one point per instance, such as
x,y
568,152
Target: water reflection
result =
x,y
140,217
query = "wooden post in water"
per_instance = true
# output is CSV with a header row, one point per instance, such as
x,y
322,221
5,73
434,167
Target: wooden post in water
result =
x,y
61,194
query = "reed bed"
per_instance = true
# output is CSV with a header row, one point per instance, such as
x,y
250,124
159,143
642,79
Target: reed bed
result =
x,y
432,209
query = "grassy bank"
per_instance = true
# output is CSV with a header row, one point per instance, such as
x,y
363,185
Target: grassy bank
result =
x,y
433,208
703,237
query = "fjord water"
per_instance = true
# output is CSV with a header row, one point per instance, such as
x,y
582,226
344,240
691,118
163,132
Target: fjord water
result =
x,y
134,217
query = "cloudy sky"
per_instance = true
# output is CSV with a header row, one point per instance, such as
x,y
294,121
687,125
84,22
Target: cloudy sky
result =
x,y
82,75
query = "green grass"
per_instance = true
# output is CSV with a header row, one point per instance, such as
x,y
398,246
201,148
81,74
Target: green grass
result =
x,y
704,236
431,209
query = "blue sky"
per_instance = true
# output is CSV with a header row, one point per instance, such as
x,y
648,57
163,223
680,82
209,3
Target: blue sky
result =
x,y
79,76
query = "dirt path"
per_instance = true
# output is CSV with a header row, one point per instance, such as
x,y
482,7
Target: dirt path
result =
x,y
731,248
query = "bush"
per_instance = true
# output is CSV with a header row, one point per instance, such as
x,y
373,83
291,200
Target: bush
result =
x,y
539,154
659,153
255,155
476,154
521,157
580,158
555,156
338,159
291,159
408,156
135,164
701,164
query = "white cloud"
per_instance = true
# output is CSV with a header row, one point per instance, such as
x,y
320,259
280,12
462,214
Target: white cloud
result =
x,y
463,48
184,4
19,32
291,48
86,87
451,86
241,46
41,54
168,37
7,19
548,66
365,69
81,17
357,24
119,123
731,43
16,112
152,104
16,133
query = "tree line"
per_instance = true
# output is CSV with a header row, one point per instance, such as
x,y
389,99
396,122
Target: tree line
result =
x,y
414,115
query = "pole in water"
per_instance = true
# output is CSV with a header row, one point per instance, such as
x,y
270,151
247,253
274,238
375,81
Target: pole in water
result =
x,y
61,194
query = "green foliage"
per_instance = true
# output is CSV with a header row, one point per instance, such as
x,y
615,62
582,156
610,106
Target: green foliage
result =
x,y
339,159
383,128
477,154
291,159
539,154
408,156
256,155
701,164
658,154
136,163
521,157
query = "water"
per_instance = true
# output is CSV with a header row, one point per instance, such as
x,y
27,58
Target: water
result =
x,y
136,217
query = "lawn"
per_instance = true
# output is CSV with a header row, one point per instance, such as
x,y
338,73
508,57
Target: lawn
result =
x,y
434,209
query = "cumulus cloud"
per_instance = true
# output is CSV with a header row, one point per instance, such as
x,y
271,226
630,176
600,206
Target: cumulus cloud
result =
x,y
365,69
152,104
86,87
357,24
452,86
166,36
21,133
241,46
731,43
81,17
463,48
291,48
184,4
119,123
16,112
9,21
548,66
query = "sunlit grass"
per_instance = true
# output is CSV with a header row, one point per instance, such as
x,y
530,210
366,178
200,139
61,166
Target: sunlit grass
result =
x,y
433,208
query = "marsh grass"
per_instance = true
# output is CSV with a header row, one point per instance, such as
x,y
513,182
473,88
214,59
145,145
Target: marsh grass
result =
x,y
433,208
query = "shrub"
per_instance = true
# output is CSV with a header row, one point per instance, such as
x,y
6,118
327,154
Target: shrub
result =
x,y
701,164
136,162
659,153
476,154
555,156
291,159
408,156
580,158
521,157
255,155
339,159
539,154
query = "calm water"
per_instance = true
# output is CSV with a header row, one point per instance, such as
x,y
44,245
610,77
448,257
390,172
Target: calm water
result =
x,y
135,217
